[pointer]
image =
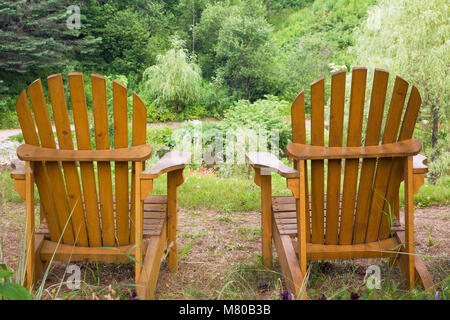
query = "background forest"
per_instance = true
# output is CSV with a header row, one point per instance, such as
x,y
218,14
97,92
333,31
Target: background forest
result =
x,y
191,59
216,65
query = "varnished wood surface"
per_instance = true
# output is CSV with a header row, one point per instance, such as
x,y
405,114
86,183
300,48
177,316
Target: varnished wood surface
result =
x,y
171,161
27,152
266,160
395,149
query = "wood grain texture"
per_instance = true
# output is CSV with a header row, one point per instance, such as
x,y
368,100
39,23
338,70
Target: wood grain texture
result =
x,y
138,223
409,220
28,152
121,168
299,136
372,138
174,179
64,134
150,271
317,166
334,166
357,96
104,169
267,160
266,219
65,252
171,161
80,117
30,226
301,216
139,129
376,249
384,165
53,169
30,136
387,150
289,263
396,176
421,274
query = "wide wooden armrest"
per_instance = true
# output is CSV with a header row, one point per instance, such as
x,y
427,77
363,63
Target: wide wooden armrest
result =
x,y
171,161
419,164
18,172
403,148
27,152
266,160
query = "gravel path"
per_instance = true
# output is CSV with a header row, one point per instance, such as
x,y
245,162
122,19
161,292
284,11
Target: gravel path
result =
x,y
6,133
8,147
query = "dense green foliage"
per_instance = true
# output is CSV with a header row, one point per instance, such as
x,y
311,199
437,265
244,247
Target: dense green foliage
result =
x,y
191,59
174,82
263,116
234,49
420,54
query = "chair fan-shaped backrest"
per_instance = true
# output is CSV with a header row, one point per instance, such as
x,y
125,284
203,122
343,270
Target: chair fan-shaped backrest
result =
x,y
77,199
361,194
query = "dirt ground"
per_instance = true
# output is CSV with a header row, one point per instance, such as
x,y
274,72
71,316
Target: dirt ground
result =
x,y
219,257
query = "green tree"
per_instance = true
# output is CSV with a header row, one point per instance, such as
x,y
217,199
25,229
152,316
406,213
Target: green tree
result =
x,y
175,81
233,46
188,14
206,34
245,55
411,40
126,44
310,39
133,33
35,41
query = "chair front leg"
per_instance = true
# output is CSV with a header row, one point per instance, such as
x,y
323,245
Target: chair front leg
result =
x,y
142,188
409,220
298,189
30,237
263,178
174,179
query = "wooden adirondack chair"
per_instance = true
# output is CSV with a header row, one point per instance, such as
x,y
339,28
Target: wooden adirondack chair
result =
x,y
358,218
78,220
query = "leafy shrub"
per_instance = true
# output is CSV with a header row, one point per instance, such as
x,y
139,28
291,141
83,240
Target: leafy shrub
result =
x,y
200,137
267,114
175,81
193,112
216,97
161,140
8,117
220,143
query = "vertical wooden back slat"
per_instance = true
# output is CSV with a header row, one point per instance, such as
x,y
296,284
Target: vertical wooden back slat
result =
x,y
334,166
317,166
139,135
298,123
406,132
42,182
58,189
64,133
373,130
121,141
384,165
99,104
80,117
355,119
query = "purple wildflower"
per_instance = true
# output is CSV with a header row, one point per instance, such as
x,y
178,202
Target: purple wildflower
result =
x,y
354,296
436,296
133,296
323,297
286,295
